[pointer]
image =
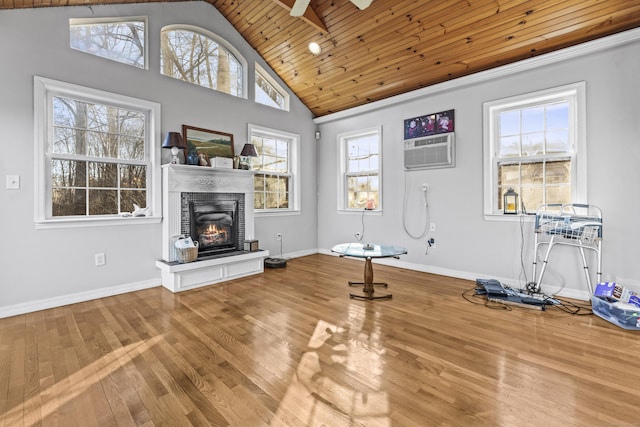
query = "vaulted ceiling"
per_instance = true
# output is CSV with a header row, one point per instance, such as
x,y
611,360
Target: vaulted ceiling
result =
x,y
396,46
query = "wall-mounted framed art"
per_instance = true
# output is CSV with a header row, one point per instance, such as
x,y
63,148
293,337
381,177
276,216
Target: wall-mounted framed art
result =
x,y
429,124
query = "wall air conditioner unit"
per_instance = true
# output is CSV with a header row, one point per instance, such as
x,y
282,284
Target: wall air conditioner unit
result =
x,y
430,152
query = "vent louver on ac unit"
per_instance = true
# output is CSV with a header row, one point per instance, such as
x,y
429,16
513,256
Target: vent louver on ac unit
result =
x,y
430,152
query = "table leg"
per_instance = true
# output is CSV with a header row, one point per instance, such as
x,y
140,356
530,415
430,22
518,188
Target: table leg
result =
x,y
368,283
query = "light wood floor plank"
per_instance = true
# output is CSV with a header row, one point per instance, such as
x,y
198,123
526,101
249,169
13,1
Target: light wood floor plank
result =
x,y
289,348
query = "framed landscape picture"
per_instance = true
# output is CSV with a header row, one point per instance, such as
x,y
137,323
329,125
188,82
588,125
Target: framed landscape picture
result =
x,y
207,143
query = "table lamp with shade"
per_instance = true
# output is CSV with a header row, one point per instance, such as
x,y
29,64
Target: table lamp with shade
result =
x,y
174,141
247,151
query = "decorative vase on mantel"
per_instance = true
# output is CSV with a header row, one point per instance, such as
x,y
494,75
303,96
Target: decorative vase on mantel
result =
x,y
192,158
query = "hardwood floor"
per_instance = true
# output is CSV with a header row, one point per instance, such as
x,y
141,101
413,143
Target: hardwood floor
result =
x,y
289,348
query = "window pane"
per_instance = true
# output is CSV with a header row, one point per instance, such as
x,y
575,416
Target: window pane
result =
x,y
267,94
133,177
258,201
510,146
258,182
101,144
363,191
532,144
533,119
198,59
532,173
557,116
64,112
100,117
104,175
103,202
118,41
129,197
131,148
508,175
558,141
509,123
558,194
63,141
68,202
558,172
270,164
68,173
131,123
532,197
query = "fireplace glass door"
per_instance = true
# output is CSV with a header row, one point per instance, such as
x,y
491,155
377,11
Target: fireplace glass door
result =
x,y
214,226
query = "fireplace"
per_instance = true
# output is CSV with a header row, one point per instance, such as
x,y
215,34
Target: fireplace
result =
x,y
214,226
214,207
216,220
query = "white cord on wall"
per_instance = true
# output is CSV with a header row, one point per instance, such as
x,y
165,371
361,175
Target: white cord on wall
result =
x,y
404,212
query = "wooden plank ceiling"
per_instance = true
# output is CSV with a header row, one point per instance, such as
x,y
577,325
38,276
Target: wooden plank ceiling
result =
x,y
396,46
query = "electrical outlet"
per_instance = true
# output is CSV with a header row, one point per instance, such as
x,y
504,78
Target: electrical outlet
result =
x,y
425,187
100,259
278,236
432,226
432,243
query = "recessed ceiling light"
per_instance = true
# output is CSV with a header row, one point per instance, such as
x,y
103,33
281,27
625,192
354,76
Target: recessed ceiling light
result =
x,y
314,48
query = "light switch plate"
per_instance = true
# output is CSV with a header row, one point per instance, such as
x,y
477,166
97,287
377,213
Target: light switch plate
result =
x,y
13,182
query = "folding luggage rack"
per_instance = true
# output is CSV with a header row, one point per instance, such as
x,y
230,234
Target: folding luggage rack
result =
x,y
577,225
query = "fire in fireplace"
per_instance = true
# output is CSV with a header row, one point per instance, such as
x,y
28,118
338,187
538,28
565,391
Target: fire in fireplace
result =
x,y
214,226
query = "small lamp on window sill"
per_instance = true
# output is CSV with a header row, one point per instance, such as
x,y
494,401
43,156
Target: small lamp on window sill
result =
x,y
510,202
174,141
247,152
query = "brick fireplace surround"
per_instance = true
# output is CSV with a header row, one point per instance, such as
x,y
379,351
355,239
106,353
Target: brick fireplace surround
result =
x,y
178,179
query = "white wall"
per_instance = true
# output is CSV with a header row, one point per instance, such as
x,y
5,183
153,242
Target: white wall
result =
x,y
41,268
467,245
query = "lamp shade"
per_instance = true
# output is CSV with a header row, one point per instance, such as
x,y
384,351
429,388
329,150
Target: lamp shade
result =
x,y
173,139
249,151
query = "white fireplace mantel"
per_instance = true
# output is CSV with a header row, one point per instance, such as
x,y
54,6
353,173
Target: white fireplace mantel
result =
x,y
178,179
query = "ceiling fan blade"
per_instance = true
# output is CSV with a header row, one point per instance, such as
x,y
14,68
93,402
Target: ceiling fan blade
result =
x,y
299,7
362,4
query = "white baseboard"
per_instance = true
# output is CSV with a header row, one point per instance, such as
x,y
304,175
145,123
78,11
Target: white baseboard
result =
x,y
43,304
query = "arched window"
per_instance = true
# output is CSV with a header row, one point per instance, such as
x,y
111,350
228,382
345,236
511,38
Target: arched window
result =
x,y
198,56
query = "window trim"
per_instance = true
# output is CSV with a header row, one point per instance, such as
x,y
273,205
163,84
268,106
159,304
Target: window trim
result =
x,y
575,94
294,166
115,20
265,75
44,90
342,169
219,40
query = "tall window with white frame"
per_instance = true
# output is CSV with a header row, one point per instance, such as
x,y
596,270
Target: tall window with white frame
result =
x,y
535,146
96,153
360,169
275,188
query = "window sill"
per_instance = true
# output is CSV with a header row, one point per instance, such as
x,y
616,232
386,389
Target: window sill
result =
x,y
95,222
510,218
268,213
360,211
